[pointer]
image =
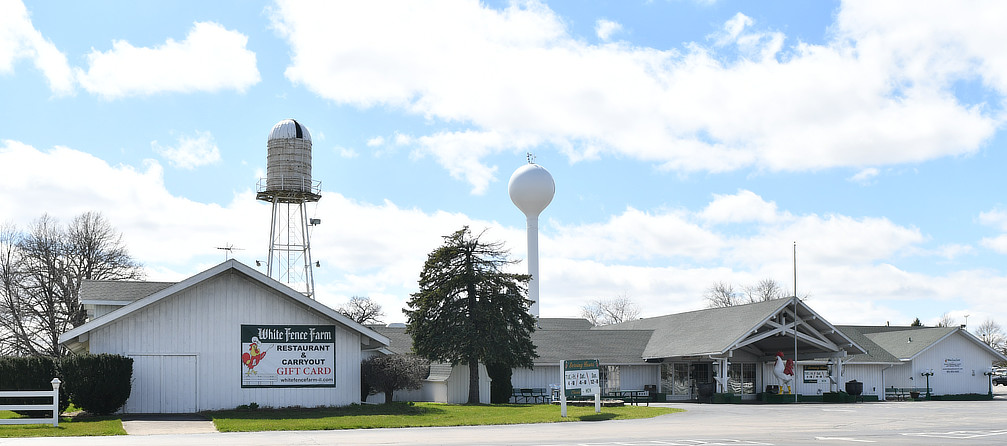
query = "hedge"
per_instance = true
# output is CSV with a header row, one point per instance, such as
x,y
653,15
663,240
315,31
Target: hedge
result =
x,y
31,373
98,384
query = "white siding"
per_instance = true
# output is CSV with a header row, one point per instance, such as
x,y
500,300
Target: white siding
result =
x,y
631,377
869,374
458,385
453,391
204,321
634,377
541,376
163,384
974,361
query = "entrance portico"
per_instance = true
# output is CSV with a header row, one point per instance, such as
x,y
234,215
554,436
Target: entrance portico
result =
x,y
734,348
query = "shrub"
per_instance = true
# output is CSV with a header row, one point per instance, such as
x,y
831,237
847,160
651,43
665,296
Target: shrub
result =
x,y
98,384
390,373
31,373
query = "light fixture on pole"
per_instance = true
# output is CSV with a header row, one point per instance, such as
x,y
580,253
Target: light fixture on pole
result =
x,y
928,373
989,376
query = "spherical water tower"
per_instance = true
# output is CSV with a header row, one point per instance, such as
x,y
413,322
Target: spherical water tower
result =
x,y
288,187
531,189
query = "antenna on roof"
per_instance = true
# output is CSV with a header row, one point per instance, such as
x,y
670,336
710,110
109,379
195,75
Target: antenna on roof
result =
x,y
228,250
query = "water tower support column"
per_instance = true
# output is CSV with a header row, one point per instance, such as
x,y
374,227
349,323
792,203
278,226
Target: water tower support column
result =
x,y
533,263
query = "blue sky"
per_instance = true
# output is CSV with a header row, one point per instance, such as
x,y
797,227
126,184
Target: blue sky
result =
x,y
691,142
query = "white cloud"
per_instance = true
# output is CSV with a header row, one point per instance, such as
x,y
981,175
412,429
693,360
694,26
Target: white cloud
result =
x,y
211,58
878,94
996,218
865,176
190,152
20,40
345,152
732,29
745,206
997,244
664,258
376,141
605,28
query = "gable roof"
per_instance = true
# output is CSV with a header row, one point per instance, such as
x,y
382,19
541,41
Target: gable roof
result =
x,y
715,331
609,347
906,343
229,265
399,342
117,292
559,339
875,354
562,323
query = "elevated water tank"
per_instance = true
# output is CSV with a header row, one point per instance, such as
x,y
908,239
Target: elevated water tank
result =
x,y
288,158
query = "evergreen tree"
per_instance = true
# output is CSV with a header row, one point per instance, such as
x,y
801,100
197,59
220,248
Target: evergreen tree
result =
x,y
468,310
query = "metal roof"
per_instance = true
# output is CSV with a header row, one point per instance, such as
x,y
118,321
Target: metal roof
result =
x,y
289,128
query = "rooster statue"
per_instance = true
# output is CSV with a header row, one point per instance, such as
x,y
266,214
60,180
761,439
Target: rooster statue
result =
x,y
784,371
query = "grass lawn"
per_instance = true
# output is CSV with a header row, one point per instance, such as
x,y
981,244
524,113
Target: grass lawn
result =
x,y
68,427
417,415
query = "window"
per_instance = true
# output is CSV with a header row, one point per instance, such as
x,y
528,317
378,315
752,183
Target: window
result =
x,y
675,378
741,378
609,378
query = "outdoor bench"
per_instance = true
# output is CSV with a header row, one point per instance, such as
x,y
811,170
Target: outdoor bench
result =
x,y
901,393
526,395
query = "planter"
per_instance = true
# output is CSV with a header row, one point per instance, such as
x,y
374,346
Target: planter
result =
x,y
914,395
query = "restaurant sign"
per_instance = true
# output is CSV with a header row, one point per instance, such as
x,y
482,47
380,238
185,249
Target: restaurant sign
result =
x,y
288,356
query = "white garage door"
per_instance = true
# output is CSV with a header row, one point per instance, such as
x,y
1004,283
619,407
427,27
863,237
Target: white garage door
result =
x,y
163,384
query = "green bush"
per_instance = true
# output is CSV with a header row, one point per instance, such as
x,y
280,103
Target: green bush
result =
x,y
31,373
500,385
98,384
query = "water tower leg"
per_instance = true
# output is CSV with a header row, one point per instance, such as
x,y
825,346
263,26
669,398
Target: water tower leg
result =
x,y
533,264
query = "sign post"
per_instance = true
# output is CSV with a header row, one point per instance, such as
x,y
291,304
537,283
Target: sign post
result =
x,y
581,377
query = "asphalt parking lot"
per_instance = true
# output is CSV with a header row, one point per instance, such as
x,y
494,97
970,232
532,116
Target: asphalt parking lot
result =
x,y
905,422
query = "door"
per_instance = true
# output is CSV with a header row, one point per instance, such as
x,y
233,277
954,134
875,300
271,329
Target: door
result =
x,y
701,377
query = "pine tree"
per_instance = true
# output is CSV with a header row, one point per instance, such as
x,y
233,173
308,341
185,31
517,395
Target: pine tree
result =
x,y
468,310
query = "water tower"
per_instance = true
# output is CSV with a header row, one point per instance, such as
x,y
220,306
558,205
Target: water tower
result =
x,y
288,186
531,189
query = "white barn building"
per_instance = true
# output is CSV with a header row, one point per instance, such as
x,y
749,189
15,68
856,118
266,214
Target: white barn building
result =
x,y
192,342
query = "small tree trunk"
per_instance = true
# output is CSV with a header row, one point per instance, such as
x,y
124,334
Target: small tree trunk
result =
x,y
388,396
473,381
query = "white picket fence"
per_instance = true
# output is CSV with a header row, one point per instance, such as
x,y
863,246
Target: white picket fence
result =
x,y
54,407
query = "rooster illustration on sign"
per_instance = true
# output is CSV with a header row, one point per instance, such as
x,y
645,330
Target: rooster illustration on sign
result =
x,y
252,357
784,371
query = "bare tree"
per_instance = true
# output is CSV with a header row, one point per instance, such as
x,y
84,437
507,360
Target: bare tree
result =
x,y
41,271
945,321
991,333
362,310
611,311
722,294
766,289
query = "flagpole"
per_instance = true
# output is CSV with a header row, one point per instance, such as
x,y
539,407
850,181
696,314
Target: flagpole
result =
x,y
795,321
